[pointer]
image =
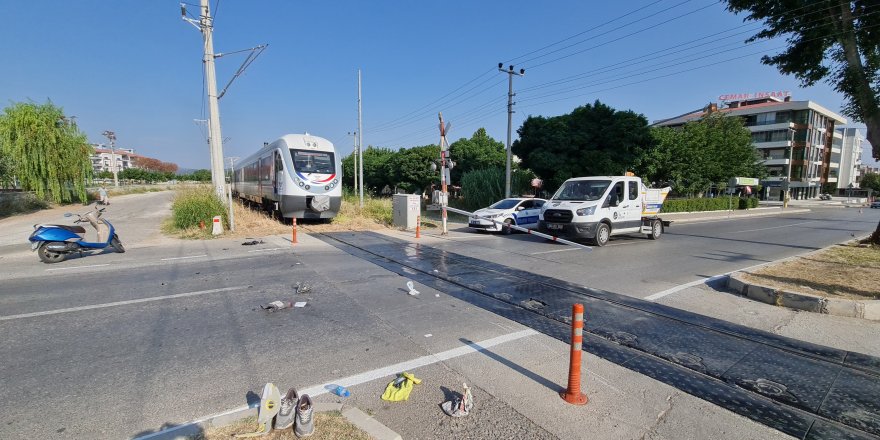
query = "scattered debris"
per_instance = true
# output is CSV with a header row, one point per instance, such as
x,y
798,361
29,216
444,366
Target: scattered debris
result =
x,y
459,406
436,271
251,243
276,305
400,388
302,287
412,289
428,335
299,304
437,295
339,390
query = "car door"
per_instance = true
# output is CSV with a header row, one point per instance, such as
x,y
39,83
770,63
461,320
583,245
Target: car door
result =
x,y
632,206
533,213
612,207
521,213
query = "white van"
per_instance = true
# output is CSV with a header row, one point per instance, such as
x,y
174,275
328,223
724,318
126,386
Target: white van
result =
x,y
595,208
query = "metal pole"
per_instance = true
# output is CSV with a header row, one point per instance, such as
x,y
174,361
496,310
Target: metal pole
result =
x,y
444,197
355,154
231,179
510,103
360,145
216,138
113,161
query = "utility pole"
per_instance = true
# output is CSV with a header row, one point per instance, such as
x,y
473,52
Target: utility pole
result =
x,y
355,154
360,144
444,196
111,136
205,24
510,73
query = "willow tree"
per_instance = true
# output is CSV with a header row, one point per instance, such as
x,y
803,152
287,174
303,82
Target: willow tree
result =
x,y
48,155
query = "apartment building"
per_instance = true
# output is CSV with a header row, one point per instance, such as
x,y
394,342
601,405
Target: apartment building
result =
x,y
850,157
102,160
795,139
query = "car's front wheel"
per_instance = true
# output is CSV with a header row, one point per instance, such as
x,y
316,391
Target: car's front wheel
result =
x,y
505,228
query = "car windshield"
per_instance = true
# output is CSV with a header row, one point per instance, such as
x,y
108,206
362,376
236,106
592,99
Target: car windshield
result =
x,y
313,161
582,190
505,204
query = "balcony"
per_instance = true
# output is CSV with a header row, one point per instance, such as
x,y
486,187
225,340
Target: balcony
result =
x,y
770,126
776,161
772,144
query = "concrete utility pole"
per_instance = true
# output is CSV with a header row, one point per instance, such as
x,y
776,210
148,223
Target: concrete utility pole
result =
x,y
354,141
444,196
205,25
510,73
111,136
360,145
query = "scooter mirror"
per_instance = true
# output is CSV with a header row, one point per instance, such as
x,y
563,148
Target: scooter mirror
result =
x,y
67,214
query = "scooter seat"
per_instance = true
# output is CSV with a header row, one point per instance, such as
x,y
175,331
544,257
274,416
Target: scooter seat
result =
x,y
74,229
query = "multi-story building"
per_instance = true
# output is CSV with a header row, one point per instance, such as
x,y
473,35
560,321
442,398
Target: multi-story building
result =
x,y
795,139
102,160
850,157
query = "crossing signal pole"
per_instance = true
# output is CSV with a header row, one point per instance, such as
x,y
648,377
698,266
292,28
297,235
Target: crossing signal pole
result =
x,y
510,73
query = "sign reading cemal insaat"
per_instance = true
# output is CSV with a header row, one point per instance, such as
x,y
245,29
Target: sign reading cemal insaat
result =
x,y
756,95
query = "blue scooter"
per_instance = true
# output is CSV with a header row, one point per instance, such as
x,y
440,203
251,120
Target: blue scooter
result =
x,y
54,243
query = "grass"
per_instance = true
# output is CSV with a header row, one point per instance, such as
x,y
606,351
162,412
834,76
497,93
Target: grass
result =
x,y
840,271
328,426
376,214
13,203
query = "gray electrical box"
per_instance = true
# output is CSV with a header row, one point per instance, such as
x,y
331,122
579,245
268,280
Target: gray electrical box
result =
x,y
406,209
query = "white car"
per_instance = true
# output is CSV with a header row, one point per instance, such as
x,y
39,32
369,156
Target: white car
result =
x,y
516,211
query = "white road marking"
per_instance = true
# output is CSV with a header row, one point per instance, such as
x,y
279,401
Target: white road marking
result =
x,y
623,243
270,249
76,267
773,227
678,288
118,303
183,258
317,390
556,250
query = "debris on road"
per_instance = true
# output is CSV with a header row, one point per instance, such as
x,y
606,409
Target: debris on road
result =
x,y
400,388
251,243
459,406
302,288
339,390
276,305
412,289
299,304
270,404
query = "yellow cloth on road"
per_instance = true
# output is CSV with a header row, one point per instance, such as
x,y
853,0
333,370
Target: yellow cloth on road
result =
x,y
399,389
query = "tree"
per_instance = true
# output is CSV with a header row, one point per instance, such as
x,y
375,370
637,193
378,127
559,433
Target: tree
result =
x,y
872,181
592,140
49,155
480,152
375,169
833,40
693,157
410,168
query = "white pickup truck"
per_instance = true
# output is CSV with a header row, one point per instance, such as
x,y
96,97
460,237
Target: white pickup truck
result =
x,y
595,208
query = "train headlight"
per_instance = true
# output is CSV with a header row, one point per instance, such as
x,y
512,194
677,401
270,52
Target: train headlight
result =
x,y
308,187
335,181
327,187
301,184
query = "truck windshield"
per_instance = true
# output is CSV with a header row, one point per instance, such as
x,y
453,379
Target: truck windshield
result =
x,y
320,162
582,190
504,204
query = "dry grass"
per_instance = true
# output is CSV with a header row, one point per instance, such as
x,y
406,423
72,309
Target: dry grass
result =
x,y
840,271
328,426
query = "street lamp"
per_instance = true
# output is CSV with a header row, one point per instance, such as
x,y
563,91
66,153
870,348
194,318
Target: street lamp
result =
x,y
111,136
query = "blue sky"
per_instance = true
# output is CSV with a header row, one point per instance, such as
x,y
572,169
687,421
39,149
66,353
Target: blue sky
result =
x,y
134,67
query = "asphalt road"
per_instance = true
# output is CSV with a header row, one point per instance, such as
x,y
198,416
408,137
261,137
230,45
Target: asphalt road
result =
x,y
117,367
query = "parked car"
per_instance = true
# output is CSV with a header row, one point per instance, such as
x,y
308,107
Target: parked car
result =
x,y
514,211
875,204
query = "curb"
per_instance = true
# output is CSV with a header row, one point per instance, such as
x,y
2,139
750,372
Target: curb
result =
x,y
187,430
864,309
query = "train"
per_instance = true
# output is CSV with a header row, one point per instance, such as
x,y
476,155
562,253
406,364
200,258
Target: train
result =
x,y
297,176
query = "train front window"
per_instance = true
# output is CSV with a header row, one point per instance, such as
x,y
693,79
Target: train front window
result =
x,y
308,162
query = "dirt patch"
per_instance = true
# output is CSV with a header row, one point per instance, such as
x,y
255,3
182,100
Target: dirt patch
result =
x,y
850,272
328,426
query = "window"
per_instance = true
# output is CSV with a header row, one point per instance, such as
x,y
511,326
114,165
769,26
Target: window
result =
x,y
539,203
582,190
617,192
633,190
504,204
527,204
307,162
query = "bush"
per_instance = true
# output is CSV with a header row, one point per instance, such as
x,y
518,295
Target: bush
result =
x,y
708,204
15,202
192,205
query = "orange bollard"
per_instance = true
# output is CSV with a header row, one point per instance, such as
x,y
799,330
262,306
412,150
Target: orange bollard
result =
x,y
419,227
293,233
201,224
573,393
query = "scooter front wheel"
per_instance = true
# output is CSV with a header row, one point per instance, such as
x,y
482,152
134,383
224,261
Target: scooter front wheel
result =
x,y
117,245
49,257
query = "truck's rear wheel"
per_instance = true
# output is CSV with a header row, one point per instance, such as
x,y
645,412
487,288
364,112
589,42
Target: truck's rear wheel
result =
x,y
603,233
656,230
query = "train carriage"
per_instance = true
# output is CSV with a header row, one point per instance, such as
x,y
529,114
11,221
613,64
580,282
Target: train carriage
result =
x,y
298,176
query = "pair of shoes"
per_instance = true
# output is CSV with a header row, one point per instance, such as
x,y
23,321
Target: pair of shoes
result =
x,y
297,412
